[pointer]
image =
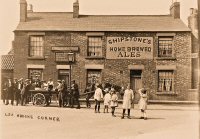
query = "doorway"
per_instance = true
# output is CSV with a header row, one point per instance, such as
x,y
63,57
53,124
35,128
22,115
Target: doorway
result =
x,y
64,75
136,82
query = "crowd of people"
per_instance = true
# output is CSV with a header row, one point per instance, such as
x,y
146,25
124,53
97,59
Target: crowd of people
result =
x,y
18,91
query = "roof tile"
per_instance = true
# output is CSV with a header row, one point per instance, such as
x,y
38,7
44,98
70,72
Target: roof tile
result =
x,y
52,21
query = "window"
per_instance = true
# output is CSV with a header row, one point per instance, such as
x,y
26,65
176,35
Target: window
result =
x,y
36,46
95,46
165,81
165,47
94,76
35,74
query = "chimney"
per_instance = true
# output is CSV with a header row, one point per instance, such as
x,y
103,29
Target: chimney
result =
x,y
193,21
30,10
23,10
76,9
175,9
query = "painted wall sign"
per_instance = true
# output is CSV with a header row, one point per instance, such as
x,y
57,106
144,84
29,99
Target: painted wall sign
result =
x,y
129,48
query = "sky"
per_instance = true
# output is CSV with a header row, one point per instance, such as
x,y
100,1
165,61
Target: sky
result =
x,y
9,11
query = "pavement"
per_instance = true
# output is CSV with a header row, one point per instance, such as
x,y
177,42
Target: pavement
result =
x,y
164,122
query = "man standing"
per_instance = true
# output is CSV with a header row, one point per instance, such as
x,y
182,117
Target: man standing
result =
x,y
89,91
127,101
75,94
98,95
10,94
25,92
60,89
5,91
16,91
50,88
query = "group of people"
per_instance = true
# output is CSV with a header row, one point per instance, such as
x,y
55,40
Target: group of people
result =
x,y
19,91
16,91
111,100
68,97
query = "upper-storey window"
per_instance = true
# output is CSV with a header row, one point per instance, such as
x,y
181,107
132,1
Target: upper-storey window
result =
x,y
165,47
36,46
95,46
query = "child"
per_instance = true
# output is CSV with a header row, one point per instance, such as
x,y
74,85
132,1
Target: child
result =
x,y
114,102
143,103
107,99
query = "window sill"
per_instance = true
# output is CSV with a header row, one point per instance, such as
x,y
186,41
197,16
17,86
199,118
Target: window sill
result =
x,y
94,57
165,58
36,58
167,93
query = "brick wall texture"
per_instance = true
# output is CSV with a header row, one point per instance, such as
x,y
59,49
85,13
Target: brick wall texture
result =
x,y
112,68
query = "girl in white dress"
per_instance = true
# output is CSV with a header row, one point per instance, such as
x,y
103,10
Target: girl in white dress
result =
x,y
107,99
143,103
114,101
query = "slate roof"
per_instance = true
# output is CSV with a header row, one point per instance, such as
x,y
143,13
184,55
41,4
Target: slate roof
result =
x,y
64,21
7,62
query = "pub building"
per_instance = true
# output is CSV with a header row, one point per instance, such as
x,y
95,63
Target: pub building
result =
x,y
152,51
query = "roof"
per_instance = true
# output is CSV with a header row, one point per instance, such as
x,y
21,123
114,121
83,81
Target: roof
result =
x,y
64,21
7,62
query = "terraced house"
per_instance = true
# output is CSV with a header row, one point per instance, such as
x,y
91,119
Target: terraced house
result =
x,y
153,51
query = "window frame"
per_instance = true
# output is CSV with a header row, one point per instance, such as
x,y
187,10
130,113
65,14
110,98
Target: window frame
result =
x,y
164,91
94,70
40,69
172,47
31,46
88,46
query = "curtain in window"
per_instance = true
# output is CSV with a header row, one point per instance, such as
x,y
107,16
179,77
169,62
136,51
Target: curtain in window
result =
x,y
165,82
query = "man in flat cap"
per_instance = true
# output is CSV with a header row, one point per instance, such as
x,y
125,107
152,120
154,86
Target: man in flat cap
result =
x,y
16,91
75,94
25,92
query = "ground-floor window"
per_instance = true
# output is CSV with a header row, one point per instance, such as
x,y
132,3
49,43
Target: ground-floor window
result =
x,y
35,74
93,76
165,80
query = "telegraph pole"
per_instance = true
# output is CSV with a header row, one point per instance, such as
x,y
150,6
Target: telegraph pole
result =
x,y
198,2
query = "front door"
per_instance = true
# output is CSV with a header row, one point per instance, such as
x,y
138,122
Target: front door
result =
x,y
64,75
136,82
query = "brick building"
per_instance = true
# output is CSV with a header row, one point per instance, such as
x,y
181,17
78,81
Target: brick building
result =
x,y
144,50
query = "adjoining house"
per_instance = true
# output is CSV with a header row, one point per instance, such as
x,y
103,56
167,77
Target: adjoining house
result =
x,y
152,51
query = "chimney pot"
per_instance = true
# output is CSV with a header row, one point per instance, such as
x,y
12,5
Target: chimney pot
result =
x,y
193,21
30,8
193,11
